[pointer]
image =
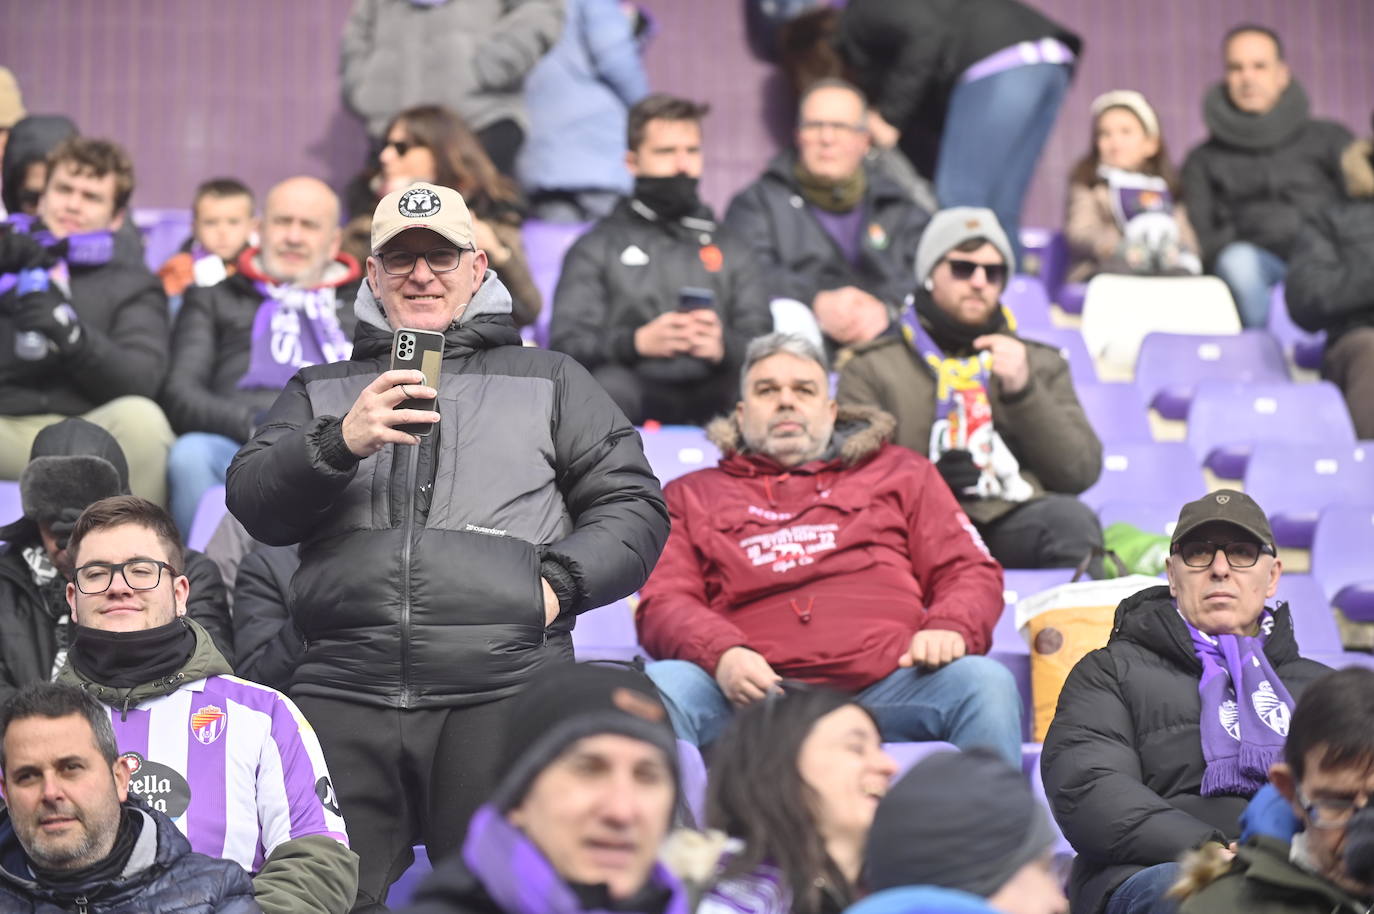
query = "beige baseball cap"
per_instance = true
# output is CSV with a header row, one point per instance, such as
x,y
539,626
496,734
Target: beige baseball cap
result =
x,y
11,101
421,205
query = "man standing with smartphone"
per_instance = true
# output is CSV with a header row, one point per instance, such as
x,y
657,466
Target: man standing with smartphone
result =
x,y
439,574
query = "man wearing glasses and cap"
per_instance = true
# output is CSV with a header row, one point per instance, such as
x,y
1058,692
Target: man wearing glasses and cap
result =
x,y
440,574
1162,736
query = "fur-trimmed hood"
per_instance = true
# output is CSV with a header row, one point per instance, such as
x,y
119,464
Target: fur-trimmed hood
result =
x,y
1357,165
859,432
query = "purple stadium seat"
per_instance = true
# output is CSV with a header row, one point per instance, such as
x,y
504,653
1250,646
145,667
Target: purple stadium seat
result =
x,y
1116,411
1313,622
1306,348
1228,418
1293,483
1029,303
1071,297
208,515
1171,364
164,231
1164,471
693,780
1342,548
607,633
1045,253
11,508
908,754
677,449
1019,583
545,245
1070,344
1030,761
403,889
1151,516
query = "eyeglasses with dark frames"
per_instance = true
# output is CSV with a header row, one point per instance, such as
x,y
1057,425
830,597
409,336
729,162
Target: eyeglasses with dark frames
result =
x,y
996,273
401,146
440,260
140,574
1332,812
1201,553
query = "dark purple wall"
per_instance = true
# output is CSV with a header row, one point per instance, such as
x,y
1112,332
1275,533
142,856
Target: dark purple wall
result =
x,y
197,88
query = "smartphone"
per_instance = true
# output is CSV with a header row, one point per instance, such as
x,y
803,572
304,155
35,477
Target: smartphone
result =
x,y
422,351
692,298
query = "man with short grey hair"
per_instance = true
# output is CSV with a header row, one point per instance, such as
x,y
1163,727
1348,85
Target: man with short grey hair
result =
x,y
817,551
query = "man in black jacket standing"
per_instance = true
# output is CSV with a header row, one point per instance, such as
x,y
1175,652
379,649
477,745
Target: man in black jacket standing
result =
x,y
86,335
1162,736
1266,167
441,573
655,301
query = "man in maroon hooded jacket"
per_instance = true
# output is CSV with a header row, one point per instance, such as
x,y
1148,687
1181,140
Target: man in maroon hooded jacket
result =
x,y
816,551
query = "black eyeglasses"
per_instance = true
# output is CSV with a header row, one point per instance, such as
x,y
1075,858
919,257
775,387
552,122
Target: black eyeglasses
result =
x,y
1332,812
139,574
996,273
440,260
401,146
1201,553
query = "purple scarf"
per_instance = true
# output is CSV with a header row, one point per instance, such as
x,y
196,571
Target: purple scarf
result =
x,y
521,880
1243,727
293,328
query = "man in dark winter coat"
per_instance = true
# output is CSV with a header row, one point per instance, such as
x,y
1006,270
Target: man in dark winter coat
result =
x,y
1162,736
655,301
828,231
440,573
1325,782
72,465
817,551
237,343
1330,285
71,839
1266,167
85,333
588,791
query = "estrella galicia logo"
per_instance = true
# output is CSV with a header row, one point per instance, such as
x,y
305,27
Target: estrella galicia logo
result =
x,y
419,202
328,798
162,788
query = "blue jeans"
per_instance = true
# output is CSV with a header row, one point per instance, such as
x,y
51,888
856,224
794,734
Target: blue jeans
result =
x,y
198,462
995,129
1144,892
971,702
1251,272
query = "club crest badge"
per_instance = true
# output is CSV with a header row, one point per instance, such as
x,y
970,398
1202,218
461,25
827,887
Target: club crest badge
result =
x,y
208,724
1230,718
1271,708
419,203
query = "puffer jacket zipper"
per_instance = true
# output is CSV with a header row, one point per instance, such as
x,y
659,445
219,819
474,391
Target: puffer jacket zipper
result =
x,y
408,531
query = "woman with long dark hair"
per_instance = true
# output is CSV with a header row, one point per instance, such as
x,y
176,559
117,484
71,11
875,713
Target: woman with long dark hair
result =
x,y
795,781
431,143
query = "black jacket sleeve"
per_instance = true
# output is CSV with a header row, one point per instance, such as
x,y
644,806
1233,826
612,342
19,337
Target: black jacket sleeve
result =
x,y
749,312
265,638
130,358
619,515
1211,218
1331,273
1093,778
896,60
208,604
191,404
749,218
579,323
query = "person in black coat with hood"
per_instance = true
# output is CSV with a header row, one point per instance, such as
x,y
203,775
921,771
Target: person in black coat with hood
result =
x,y
1162,736
1266,167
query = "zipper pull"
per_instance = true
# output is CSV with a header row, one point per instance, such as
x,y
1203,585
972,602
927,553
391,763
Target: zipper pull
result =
x,y
82,905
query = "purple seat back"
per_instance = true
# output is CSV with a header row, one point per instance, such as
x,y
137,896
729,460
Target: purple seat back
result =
x,y
1295,482
1170,365
908,754
11,507
1116,411
1029,303
403,889
209,513
1305,348
693,780
163,231
1342,554
1158,517
1071,297
1070,344
607,633
1313,622
674,450
1228,418
1164,471
546,243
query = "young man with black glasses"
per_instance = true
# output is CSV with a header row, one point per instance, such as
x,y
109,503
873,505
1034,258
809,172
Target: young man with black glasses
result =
x,y
1162,736
440,574
232,763
997,414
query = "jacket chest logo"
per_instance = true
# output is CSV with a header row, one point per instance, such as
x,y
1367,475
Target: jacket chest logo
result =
x,y
208,724
790,547
634,256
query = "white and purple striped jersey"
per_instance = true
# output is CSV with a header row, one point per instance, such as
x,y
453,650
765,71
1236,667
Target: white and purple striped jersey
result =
x,y
234,764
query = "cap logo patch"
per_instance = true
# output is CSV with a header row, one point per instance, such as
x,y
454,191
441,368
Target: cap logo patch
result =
x,y
971,224
418,203
1223,499
632,702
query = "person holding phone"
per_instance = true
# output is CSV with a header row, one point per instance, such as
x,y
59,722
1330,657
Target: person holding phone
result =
x,y
656,301
440,574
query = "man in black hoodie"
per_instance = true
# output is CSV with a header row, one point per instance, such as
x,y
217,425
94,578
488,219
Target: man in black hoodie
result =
x,y
1267,166
655,301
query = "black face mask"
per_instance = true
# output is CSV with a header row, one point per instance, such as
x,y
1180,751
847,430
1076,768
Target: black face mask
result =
x,y
671,198
1359,846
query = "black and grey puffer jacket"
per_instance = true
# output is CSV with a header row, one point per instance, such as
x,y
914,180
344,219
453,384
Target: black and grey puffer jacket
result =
x,y
419,583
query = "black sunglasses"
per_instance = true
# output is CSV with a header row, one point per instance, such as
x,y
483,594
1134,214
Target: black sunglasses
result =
x,y
996,273
401,146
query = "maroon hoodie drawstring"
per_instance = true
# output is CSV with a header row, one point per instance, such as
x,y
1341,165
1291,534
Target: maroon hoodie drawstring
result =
x,y
803,614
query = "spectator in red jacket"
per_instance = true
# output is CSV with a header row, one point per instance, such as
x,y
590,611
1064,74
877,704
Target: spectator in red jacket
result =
x,y
819,552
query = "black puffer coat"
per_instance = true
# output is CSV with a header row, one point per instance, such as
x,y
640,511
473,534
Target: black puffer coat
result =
x,y
1123,763
419,583
1258,177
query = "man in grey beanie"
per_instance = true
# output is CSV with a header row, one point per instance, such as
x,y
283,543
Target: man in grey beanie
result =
x,y
965,821
995,413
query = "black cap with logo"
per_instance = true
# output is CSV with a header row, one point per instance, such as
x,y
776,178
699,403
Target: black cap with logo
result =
x,y
1226,506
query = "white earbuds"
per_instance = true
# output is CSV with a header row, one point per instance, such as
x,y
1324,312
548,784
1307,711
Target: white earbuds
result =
x,y
930,284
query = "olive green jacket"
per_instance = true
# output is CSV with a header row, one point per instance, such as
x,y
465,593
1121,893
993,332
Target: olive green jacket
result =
x,y
1262,880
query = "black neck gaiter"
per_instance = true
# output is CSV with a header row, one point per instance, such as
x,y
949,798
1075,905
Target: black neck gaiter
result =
x,y
954,337
122,660
670,198
102,871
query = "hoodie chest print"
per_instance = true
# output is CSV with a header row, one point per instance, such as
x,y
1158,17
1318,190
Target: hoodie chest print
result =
x,y
791,547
